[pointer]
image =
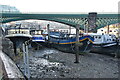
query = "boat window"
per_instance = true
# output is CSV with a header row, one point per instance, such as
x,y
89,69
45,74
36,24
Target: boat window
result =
x,y
101,30
110,30
108,39
99,37
95,36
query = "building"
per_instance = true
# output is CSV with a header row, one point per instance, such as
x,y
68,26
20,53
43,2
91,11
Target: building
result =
x,y
8,9
111,29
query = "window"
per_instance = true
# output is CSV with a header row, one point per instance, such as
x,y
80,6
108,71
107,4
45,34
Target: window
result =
x,y
110,30
95,36
99,37
113,40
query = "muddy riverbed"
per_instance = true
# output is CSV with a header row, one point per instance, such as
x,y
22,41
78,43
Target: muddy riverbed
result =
x,y
51,63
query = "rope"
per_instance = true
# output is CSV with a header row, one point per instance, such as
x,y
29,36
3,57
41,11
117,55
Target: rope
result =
x,y
86,46
72,47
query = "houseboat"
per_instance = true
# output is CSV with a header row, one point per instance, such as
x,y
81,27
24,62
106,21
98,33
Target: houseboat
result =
x,y
18,36
66,42
104,43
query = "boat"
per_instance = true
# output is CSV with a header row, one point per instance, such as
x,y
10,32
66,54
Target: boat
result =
x,y
104,44
66,42
37,38
18,36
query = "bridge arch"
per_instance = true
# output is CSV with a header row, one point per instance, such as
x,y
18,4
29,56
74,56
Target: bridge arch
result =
x,y
68,19
46,19
59,21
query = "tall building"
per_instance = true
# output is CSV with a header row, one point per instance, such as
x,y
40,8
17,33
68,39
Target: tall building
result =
x,y
8,9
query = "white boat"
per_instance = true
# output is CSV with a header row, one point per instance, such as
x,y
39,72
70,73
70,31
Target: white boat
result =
x,y
105,40
37,38
18,36
104,43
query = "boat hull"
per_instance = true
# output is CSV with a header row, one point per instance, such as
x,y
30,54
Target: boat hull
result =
x,y
37,40
112,50
84,46
37,44
69,44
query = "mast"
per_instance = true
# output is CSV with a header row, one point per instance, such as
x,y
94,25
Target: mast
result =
x,y
108,28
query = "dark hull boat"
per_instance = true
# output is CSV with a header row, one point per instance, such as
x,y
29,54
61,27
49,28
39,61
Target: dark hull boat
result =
x,y
107,50
105,44
103,49
67,44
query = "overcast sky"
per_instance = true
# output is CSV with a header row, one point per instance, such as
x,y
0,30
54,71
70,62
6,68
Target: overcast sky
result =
x,y
63,5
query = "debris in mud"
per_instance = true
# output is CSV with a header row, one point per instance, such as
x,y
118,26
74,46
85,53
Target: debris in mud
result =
x,y
50,63
44,67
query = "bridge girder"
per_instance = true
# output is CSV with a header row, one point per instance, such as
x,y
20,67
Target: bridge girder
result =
x,y
69,19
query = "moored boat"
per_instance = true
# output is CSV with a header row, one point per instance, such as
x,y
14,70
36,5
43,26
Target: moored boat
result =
x,y
104,44
66,42
18,36
37,37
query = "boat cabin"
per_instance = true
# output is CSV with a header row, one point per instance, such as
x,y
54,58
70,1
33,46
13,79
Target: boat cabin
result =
x,y
36,32
17,31
101,39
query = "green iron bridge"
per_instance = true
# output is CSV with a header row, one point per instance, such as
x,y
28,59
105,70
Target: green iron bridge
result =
x,y
98,20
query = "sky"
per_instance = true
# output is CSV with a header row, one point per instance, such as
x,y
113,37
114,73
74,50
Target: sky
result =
x,y
63,5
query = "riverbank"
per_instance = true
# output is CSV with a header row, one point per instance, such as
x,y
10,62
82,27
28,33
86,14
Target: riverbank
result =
x,y
51,63
8,68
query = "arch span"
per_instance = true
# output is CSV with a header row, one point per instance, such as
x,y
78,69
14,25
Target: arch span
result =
x,y
54,20
69,19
